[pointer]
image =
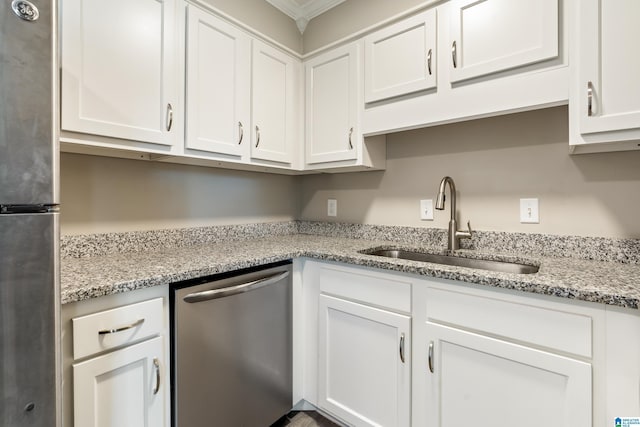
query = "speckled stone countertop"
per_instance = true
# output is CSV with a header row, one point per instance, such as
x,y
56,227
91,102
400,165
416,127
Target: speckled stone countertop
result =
x,y
112,271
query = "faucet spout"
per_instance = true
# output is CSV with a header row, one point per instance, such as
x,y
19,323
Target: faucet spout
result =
x,y
440,199
453,241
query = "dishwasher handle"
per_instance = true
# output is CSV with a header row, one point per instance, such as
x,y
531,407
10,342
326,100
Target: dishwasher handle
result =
x,y
236,289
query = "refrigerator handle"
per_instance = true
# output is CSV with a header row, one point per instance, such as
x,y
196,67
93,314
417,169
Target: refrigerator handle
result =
x,y
236,289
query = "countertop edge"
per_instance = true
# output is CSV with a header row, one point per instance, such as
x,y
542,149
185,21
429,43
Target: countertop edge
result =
x,y
79,287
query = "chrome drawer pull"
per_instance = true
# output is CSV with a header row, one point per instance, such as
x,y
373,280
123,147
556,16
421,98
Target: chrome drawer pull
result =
x,y
121,328
402,347
257,136
589,99
431,357
156,366
350,135
454,54
169,117
241,129
429,61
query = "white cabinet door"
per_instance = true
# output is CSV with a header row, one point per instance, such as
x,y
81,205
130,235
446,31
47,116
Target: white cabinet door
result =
x,y
364,370
218,85
274,104
118,69
490,36
401,59
609,65
332,102
122,388
485,382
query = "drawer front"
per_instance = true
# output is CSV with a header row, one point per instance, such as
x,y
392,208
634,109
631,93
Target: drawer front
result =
x,y
113,328
367,286
514,320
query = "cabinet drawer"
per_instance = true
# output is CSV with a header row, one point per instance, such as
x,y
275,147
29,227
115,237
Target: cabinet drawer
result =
x,y
374,288
514,320
113,328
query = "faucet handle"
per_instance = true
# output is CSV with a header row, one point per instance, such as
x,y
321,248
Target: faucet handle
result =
x,y
465,234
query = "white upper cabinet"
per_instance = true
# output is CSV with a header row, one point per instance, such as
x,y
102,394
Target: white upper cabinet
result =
x,y
490,36
332,105
491,57
217,85
275,104
605,101
118,60
401,58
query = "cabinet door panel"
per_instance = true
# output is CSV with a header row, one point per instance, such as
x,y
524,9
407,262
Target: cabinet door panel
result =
x,y
611,64
361,376
273,104
332,109
487,382
218,70
401,58
118,60
496,35
116,390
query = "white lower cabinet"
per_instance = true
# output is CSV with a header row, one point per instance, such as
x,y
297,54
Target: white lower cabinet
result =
x,y
115,358
121,388
364,363
482,381
481,357
490,358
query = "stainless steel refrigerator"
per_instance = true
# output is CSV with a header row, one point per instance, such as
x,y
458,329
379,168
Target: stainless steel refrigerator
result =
x,y
29,285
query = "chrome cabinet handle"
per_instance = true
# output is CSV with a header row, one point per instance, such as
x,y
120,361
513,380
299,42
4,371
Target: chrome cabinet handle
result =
x,y
429,61
589,98
431,357
350,135
156,366
236,289
402,347
121,328
241,131
257,136
454,54
169,117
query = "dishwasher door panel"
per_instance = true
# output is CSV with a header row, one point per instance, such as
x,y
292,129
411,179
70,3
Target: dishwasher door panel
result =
x,y
233,355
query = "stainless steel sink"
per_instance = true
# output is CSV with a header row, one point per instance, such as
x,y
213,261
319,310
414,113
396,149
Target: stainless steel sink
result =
x,y
482,264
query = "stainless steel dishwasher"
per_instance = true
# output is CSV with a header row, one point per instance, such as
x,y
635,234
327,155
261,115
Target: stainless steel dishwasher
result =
x,y
232,349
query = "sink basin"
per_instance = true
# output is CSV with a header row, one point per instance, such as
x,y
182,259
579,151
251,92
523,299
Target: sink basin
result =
x,y
482,264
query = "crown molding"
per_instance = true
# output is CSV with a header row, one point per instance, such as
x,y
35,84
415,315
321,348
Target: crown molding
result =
x,y
303,11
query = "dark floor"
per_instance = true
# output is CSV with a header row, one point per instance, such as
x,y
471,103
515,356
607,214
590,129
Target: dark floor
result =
x,y
304,419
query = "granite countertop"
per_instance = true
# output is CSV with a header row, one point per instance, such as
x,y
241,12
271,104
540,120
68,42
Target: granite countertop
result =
x,y
83,278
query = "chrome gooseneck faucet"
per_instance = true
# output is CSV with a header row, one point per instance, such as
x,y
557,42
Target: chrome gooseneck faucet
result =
x,y
454,234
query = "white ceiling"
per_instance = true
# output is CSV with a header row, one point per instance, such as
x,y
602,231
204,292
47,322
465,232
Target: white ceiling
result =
x,y
303,11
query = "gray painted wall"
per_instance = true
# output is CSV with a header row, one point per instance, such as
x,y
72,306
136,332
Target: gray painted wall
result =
x,y
494,162
102,194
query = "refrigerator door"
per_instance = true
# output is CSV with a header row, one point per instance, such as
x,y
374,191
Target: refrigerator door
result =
x,y
28,151
29,320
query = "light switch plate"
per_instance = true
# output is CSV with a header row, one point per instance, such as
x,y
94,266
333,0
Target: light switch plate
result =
x,y
426,210
529,211
332,207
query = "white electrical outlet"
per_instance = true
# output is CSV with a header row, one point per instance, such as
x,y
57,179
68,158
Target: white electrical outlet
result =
x,y
529,211
332,207
426,210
